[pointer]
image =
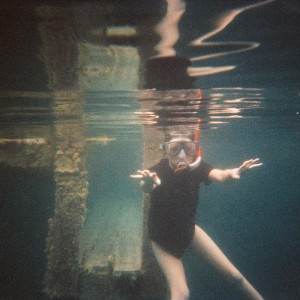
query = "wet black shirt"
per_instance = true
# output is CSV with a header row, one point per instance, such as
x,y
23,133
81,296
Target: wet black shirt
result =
x,y
171,220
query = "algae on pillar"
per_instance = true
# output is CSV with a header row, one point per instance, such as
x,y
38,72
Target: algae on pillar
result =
x,y
59,52
70,176
69,63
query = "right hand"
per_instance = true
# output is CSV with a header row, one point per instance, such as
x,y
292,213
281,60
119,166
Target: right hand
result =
x,y
149,180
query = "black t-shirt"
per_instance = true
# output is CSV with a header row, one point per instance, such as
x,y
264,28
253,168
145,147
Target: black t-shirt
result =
x,y
171,220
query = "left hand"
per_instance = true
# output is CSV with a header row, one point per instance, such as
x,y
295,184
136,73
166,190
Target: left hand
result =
x,y
245,166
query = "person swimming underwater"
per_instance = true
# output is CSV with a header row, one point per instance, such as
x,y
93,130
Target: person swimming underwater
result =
x,y
173,185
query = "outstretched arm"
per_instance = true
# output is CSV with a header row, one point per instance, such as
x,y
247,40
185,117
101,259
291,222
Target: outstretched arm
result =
x,y
233,174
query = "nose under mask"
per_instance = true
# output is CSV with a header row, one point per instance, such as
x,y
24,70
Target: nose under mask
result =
x,y
182,154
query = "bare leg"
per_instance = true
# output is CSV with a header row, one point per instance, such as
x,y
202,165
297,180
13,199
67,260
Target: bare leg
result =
x,y
204,246
173,270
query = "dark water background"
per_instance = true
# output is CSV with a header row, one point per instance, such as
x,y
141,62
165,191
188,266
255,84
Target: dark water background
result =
x,y
255,221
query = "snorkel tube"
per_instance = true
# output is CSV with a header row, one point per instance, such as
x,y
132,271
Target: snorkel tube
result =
x,y
197,162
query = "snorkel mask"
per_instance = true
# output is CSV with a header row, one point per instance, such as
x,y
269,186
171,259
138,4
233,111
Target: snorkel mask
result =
x,y
189,144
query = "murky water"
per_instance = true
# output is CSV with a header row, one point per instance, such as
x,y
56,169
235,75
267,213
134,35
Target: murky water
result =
x,y
87,92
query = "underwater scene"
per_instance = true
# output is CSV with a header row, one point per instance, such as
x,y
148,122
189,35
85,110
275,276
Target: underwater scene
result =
x,y
94,92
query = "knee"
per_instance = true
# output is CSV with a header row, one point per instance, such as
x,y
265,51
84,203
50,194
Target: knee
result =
x,y
185,294
180,293
237,281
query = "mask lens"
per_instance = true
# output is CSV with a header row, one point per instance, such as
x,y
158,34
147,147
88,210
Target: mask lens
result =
x,y
190,148
173,148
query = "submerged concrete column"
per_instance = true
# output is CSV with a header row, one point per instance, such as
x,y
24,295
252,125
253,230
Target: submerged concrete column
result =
x,y
70,176
59,52
118,275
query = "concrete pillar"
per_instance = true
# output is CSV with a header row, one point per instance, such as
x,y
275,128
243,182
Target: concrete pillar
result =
x,y
59,53
70,274
70,176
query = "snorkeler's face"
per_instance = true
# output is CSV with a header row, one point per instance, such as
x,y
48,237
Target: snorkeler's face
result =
x,y
180,152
